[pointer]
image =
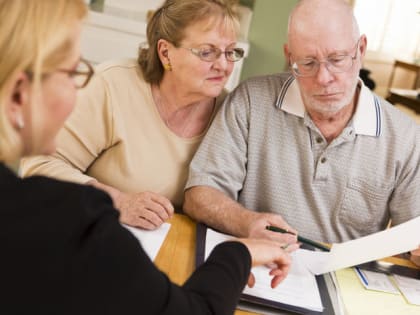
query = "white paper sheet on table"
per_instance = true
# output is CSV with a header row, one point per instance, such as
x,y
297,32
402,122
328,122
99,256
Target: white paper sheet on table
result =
x,y
299,288
150,240
399,239
410,288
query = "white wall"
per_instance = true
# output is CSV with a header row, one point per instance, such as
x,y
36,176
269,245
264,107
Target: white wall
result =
x,y
138,5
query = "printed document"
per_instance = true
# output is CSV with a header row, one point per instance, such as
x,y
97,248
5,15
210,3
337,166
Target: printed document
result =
x,y
410,288
298,289
398,239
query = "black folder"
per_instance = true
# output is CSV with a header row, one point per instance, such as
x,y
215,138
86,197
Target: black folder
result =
x,y
264,303
388,268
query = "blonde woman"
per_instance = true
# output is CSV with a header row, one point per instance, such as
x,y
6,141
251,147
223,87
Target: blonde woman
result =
x,y
140,122
63,250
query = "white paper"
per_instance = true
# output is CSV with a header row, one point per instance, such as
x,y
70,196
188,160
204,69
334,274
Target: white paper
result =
x,y
398,239
375,281
298,289
151,241
410,288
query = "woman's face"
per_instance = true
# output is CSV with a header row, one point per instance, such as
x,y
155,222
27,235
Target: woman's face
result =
x,y
199,78
54,103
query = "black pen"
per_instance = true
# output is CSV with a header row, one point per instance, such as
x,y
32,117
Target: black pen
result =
x,y
299,238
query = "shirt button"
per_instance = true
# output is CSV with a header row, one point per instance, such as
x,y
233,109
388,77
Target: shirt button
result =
x,y
323,160
318,139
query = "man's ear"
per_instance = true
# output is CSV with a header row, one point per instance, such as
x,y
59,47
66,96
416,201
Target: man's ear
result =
x,y
286,53
17,99
363,45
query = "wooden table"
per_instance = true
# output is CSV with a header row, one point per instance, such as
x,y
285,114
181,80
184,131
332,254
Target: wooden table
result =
x,y
177,259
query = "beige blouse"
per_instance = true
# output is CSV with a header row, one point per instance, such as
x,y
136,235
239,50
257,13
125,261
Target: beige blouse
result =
x,y
117,136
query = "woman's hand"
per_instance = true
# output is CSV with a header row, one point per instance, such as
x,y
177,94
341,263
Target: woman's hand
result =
x,y
272,254
146,210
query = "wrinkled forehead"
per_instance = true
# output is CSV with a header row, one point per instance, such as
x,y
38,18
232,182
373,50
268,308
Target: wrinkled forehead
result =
x,y
321,43
325,22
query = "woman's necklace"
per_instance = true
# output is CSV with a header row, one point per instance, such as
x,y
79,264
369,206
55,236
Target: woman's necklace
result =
x,y
182,121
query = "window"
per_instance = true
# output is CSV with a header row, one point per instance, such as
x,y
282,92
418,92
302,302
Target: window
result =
x,y
391,26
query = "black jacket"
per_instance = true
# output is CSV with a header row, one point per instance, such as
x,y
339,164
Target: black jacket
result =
x,y
63,251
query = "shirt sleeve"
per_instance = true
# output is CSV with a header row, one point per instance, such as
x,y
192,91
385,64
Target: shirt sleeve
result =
x,y
85,135
220,162
125,281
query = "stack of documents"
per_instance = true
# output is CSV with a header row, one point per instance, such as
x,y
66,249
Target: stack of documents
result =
x,y
299,291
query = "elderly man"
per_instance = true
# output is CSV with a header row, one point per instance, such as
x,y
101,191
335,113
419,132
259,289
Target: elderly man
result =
x,y
313,151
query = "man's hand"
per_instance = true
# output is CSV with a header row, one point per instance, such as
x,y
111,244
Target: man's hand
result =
x,y
257,228
415,256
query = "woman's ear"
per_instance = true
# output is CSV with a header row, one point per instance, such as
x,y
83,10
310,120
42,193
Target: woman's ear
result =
x,y
17,99
163,50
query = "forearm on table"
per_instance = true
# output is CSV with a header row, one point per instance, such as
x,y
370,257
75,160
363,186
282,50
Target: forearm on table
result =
x,y
214,208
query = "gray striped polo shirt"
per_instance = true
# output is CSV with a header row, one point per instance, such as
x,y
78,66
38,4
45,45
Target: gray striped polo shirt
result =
x,y
264,151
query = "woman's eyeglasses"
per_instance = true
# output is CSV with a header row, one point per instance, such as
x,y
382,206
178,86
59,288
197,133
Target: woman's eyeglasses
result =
x,y
82,74
210,53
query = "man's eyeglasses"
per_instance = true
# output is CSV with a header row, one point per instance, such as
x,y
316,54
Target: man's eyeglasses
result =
x,y
81,75
308,67
210,53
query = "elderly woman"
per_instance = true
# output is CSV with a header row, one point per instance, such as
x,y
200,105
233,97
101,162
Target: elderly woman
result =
x,y
63,248
139,123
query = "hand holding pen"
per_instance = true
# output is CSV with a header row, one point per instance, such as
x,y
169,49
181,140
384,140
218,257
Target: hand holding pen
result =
x,y
258,222
299,238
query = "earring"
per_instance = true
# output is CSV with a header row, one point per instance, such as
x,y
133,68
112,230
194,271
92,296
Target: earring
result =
x,y
19,122
167,66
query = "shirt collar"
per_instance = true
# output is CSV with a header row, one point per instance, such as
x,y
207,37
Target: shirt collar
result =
x,y
366,119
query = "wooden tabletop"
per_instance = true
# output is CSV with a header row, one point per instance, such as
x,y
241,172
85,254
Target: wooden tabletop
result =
x,y
177,255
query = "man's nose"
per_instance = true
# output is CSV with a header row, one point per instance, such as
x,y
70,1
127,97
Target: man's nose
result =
x,y
323,74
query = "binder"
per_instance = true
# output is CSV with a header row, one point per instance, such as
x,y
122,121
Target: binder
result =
x,y
260,303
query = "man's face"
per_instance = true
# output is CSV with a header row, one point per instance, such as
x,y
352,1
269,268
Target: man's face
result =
x,y
329,88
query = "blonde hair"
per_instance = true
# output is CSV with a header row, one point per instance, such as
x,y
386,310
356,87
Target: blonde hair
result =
x,y
169,22
35,37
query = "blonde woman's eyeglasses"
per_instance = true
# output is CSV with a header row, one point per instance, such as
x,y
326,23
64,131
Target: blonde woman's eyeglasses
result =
x,y
82,74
